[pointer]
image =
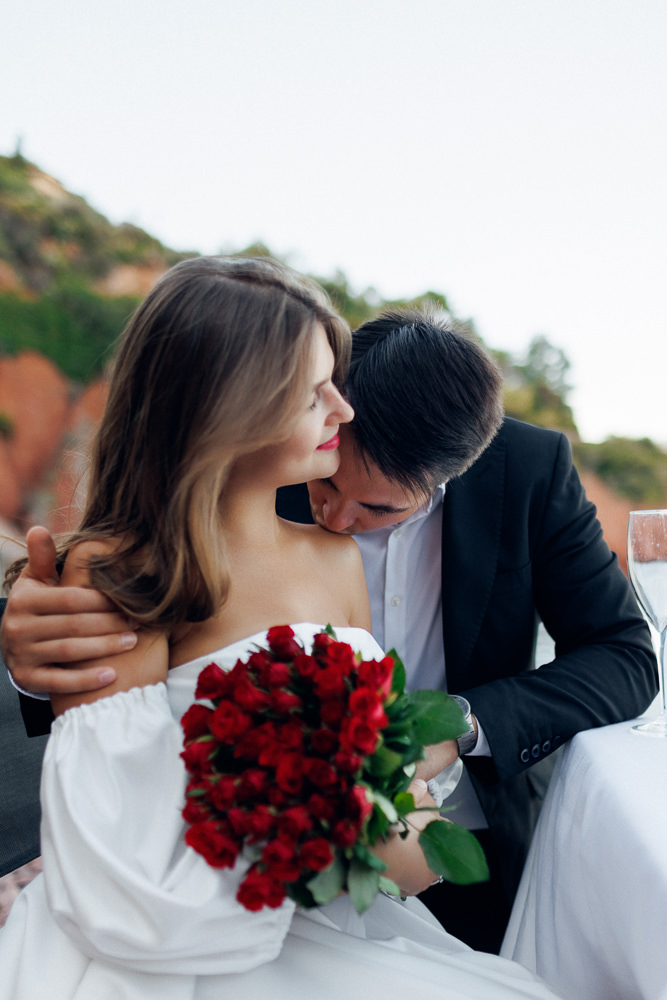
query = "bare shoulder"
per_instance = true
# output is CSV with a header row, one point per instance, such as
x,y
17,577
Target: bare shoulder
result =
x,y
337,557
327,544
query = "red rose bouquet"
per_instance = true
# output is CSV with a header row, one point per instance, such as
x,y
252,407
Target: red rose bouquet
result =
x,y
303,762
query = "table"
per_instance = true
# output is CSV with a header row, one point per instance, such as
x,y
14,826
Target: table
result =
x,y
591,913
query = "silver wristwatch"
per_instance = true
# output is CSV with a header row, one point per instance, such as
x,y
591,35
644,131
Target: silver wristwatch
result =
x,y
467,741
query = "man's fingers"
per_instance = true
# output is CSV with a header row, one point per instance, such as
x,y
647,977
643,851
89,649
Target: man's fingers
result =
x,y
41,556
27,598
67,650
45,628
54,680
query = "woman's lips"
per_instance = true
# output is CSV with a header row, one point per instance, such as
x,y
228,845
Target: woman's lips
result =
x,y
330,444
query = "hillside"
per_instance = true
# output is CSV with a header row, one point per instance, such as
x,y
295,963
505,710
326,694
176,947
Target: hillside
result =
x,y
69,279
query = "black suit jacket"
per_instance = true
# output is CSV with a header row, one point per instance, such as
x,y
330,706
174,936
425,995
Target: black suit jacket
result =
x,y
520,542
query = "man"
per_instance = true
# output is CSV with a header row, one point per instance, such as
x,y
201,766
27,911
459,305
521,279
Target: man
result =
x,y
465,543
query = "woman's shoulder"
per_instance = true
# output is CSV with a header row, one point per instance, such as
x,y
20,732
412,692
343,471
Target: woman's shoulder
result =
x,y
327,543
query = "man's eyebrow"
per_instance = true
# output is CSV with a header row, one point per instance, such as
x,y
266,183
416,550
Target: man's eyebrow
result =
x,y
378,508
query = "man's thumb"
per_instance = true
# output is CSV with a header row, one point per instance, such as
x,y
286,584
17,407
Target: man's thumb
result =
x,y
41,556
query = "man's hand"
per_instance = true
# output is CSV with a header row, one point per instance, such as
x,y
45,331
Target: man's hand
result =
x,y
45,626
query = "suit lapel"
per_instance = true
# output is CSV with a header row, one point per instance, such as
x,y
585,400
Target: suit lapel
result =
x,y
471,527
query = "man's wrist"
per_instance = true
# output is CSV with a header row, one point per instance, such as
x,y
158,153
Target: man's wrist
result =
x,y
468,740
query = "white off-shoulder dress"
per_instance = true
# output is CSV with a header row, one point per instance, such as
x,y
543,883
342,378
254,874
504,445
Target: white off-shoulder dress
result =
x,y
126,911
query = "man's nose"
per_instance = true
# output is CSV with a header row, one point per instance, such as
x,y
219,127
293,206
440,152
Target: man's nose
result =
x,y
338,516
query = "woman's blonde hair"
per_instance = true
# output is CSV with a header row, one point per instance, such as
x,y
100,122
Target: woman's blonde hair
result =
x,y
213,365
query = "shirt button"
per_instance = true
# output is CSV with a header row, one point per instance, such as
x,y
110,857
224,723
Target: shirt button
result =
x,y
524,756
398,533
546,746
395,601
536,751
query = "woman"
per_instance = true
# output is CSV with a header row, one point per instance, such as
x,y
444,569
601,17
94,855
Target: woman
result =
x,y
224,388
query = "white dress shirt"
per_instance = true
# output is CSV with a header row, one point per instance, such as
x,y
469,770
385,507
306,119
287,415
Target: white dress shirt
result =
x,y
403,572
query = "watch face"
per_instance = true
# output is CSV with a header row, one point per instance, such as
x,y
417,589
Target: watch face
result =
x,y
463,704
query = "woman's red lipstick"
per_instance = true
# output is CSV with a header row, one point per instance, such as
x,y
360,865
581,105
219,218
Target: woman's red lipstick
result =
x,y
330,444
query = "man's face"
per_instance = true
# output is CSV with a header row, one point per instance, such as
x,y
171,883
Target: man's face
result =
x,y
357,498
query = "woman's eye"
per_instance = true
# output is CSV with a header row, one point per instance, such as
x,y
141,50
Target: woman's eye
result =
x,y
315,402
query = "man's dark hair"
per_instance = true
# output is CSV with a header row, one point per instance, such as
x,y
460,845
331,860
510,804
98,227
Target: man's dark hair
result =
x,y
427,397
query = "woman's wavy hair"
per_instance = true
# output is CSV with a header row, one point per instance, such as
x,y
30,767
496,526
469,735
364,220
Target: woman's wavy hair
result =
x,y
213,365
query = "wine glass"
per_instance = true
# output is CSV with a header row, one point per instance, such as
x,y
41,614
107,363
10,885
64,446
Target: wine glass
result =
x,y
647,565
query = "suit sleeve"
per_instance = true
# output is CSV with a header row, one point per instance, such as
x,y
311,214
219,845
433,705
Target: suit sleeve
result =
x,y
604,670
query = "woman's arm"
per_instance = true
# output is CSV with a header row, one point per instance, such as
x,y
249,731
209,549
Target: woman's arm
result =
x,y
146,663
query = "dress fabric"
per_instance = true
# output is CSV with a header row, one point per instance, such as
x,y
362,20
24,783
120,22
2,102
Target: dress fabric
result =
x,y
126,910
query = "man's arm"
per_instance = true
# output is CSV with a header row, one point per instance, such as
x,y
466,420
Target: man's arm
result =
x,y
45,626
604,670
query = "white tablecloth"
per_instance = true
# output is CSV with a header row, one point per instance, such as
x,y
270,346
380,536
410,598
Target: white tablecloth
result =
x,y
591,913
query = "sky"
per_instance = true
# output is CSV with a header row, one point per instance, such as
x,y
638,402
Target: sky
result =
x,y
511,154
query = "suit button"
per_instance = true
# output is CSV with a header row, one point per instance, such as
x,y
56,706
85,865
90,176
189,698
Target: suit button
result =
x,y
535,752
525,756
546,746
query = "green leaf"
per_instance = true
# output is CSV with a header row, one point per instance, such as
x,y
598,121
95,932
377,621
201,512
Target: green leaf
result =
x,y
437,717
404,803
453,852
387,885
384,804
363,884
366,856
398,679
383,762
326,885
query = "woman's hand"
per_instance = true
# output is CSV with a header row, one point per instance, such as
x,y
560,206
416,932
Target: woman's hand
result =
x,y
406,864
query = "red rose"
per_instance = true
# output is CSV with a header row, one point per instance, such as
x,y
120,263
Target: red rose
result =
x,y
306,666
357,804
276,675
238,821
195,721
295,821
320,643
289,774
222,793
324,741
248,696
321,773
219,849
347,762
377,674
344,833
282,642
213,682
332,712
366,703
283,702
228,722
329,683
261,822
359,736
290,735
253,783
279,856
340,656
316,854
322,808
197,756
258,889
196,810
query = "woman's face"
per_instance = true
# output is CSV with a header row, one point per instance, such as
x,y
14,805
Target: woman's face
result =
x,y
311,451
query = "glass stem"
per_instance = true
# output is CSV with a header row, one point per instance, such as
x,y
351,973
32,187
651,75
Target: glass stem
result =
x,y
661,667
